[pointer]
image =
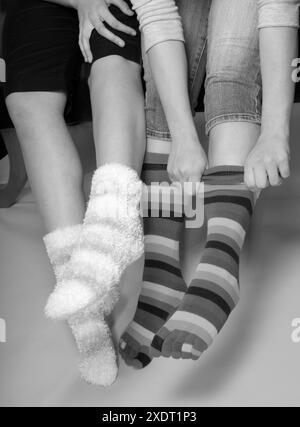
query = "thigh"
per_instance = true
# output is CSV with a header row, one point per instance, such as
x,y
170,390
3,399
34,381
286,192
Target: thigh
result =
x,y
117,100
233,34
233,83
194,15
101,47
41,48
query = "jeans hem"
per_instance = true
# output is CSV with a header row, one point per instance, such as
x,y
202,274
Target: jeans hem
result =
x,y
250,118
151,133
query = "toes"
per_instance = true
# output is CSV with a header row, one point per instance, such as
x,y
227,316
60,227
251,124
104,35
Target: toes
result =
x,y
199,347
142,359
128,347
158,341
168,344
187,346
132,348
177,345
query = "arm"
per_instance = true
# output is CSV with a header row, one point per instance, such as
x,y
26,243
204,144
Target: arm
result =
x,y
164,44
268,162
187,160
92,15
163,34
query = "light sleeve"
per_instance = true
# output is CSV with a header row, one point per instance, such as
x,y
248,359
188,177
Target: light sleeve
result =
x,y
159,21
278,13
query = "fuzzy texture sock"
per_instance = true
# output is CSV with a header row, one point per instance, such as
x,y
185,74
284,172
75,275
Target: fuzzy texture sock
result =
x,y
214,291
163,284
98,364
110,240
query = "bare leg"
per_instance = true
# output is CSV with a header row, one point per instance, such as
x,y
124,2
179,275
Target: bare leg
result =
x,y
231,142
51,160
119,130
118,112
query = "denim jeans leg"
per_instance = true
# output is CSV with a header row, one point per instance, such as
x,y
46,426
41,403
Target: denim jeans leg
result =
x,y
194,15
233,84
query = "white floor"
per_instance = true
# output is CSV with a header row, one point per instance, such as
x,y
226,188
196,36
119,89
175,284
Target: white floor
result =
x,y
253,362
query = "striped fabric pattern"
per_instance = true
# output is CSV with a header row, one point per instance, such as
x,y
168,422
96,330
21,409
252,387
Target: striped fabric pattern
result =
x,y
214,290
163,285
97,364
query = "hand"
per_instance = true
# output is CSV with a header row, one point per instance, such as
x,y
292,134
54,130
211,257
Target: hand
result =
x,y
92,15
268,163
187,161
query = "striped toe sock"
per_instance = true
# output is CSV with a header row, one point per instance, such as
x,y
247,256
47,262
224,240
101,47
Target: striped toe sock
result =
x,y
163,284
214,291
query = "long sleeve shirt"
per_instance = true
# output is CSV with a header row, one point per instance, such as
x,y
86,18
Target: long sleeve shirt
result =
x,y
278,13
160,20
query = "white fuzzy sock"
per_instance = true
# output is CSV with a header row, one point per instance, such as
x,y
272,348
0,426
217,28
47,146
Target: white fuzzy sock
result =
x,y
110,240
98,364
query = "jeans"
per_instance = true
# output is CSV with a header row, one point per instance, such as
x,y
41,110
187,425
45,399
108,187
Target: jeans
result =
x,y
221,43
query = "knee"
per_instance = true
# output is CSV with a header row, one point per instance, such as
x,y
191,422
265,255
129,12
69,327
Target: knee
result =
x,y
19,107
237,65
25,108
113,70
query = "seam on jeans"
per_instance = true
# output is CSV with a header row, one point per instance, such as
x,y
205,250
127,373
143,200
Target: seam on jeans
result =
x,y
258,83
235,117
198,60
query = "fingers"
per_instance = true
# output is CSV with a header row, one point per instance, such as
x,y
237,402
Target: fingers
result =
x,y
284,168
273,174
84,41
259,177
190,184
107,17
123,6
256,177
249,178
103,31
95,20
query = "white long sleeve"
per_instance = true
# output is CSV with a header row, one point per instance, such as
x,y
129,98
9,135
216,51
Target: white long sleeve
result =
x,y
159,21
278,13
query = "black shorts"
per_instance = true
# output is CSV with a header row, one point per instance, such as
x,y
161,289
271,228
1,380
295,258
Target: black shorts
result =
x,y
41,46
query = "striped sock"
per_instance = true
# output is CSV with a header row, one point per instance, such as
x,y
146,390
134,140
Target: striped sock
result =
x,y
214,291
163,284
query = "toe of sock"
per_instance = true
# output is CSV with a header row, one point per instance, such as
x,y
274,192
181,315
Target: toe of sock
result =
x,y
142,359
99,368
167,348
68,299
177,346
158,342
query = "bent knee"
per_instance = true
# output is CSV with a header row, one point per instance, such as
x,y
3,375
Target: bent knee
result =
x,y
233,63
26,106
112,69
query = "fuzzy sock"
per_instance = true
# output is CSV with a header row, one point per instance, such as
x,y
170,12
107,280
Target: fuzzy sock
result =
x,y
214,291
98,363
163,284
111,239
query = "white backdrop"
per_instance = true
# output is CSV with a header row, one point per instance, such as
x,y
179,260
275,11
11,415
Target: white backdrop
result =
x,y
253,361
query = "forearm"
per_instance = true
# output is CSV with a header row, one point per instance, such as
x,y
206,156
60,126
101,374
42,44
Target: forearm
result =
x,y
278,47
162,30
